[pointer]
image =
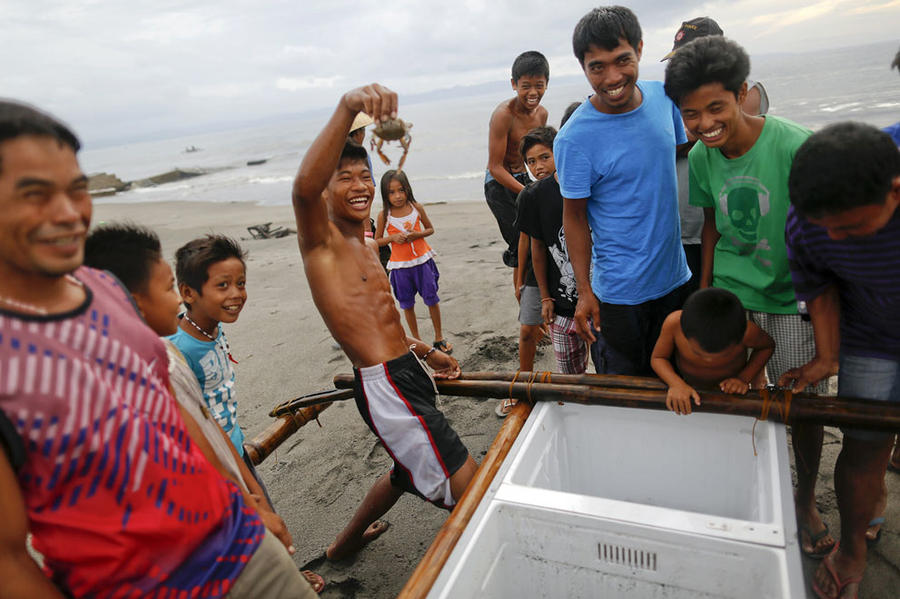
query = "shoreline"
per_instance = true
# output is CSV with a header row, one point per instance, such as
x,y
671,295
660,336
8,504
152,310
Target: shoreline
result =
x,y
318,477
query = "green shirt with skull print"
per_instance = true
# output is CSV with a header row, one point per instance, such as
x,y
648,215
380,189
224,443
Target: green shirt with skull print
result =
x,y
750,197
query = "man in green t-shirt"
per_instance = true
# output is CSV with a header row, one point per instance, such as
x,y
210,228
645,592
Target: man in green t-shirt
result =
x,y
739,176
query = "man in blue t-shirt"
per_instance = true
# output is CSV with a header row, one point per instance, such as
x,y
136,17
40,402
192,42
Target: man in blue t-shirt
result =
x,y
616,163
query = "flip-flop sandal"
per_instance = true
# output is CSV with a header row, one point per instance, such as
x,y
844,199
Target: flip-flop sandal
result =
x,y
840,584
813,541
504,408
872,541
443,346
315,581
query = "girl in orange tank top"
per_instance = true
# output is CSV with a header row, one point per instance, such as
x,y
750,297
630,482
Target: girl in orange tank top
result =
x,y
404,225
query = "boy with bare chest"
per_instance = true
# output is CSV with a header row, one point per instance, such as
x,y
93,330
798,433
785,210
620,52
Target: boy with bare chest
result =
x,y
395,394
510,121
709,339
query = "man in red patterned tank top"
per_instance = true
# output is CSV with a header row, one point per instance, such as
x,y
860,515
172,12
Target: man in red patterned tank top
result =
x,y
96,461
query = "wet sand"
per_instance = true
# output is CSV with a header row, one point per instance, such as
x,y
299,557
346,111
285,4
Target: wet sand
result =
x,y
319,476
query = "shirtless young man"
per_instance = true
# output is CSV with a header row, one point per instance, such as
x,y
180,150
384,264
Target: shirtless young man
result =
x,y
395,395
708,342
510,121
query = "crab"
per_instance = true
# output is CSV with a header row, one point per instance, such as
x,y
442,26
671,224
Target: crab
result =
x,y
392,130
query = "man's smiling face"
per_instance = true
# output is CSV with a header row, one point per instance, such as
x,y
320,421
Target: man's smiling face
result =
x,y
45,207
613,75
351,190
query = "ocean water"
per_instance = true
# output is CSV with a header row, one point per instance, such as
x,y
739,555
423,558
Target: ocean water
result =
x,y
448,153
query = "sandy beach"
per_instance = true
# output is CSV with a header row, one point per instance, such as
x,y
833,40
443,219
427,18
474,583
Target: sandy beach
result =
x,y
319,476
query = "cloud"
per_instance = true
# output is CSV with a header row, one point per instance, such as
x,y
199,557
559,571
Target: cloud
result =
x,y
130,69
296,83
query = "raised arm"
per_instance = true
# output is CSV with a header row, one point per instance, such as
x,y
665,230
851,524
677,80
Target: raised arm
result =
x,y
322,157
20,576
578,240
501,123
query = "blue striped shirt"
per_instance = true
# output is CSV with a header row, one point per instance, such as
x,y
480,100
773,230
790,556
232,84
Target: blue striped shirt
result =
x,y
211,364
866,271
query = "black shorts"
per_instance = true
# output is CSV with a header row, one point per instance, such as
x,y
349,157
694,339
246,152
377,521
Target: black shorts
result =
x,y
502,203
397,401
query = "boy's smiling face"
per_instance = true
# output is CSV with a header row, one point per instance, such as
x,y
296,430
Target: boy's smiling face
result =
x,y
539,159
222,296
529,90
351,190
160,302
713,114
613,75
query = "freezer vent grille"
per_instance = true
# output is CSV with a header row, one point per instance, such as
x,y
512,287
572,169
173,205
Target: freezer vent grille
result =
x,y
629,557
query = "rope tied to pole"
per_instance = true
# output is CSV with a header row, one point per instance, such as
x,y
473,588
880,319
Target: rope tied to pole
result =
x,y
770,395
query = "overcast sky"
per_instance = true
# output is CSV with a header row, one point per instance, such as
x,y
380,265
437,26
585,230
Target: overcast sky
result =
x,y
124,69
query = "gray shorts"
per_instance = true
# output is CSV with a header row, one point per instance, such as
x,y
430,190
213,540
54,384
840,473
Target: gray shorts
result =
x,y
271,573
530,306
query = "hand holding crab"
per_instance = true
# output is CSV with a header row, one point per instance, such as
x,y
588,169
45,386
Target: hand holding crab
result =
x,y
392,130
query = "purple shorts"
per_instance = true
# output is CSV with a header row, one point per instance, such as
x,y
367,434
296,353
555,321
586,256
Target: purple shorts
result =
x,y
422,278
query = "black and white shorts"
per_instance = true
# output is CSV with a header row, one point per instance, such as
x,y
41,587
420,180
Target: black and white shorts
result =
x,y
397,401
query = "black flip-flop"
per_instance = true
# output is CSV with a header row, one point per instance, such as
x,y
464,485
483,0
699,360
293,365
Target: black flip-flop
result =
x,y
443,346
814,539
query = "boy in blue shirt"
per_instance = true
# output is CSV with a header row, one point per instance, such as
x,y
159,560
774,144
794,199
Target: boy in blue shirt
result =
x,y
212,280
616,164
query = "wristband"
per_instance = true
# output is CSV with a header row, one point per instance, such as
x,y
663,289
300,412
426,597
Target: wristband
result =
x,y
547,299
428,353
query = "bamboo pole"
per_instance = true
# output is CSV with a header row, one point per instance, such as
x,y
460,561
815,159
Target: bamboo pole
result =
x,y
829,411
309,400
263,444
591,380
422,579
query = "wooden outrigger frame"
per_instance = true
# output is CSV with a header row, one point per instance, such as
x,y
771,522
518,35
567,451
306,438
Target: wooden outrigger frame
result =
x,y
772,403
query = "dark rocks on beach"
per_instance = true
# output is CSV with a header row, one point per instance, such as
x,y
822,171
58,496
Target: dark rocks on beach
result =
x,y
172,176
105,184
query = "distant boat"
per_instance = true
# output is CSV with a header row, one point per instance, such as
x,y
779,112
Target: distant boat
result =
x,y
190,149
255,162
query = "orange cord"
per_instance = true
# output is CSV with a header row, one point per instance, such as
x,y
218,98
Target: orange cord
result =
x,y
545,377
768,399
513,382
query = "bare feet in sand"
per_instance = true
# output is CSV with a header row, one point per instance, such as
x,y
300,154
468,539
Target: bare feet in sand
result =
x,y
344,548
315,581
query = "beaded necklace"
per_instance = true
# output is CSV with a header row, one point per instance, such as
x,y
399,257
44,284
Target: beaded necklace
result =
x,y
31,307
211,338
